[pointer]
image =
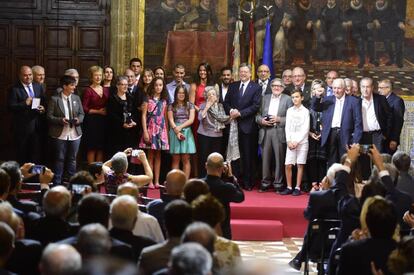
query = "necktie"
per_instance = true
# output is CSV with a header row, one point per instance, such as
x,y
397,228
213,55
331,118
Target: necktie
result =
x,y
129,90
31,94
70,112
242,89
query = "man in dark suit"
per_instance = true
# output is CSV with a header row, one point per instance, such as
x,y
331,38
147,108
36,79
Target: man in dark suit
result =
x,y
405,183
356,257
341,120
272,118
397,106
225,80
263,73
299,83
65,115
225,192
124,211
242,103
330,77
27,112
376,115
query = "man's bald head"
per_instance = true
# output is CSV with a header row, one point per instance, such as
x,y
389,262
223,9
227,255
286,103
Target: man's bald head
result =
x,y
215,160
57,202
26,75
298,76
175,182
128,188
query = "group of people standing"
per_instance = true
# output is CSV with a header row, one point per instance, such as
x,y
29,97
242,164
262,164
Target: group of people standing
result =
x,y
294,123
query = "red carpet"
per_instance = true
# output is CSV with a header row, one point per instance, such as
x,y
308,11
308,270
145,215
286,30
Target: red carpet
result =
x,y
265,216
268,217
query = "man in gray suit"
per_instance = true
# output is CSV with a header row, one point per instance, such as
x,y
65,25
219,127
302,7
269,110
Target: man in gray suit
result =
x,y
271,118
65,115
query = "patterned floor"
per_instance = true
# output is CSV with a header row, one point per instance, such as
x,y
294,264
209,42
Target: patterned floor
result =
x,y
275,254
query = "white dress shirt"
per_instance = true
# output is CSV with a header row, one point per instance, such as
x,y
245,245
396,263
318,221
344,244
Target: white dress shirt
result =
x,y
68,133
369,119
274,105
26,88
337,116
224,91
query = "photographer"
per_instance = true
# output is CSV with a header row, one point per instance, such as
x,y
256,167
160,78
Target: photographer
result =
x,y
225,192
65,115
115,170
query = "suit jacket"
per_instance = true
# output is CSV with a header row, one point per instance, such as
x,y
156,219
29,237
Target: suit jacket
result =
x,y
322,205
406,184
25,257
136,242
51,229
383,114
248,104
56,112
24,119
268,87
284,104
156,257
356,257
220,89
397,108
351,120
225,192
118,248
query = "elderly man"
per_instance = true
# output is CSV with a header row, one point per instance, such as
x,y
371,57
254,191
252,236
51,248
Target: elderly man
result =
x,y
123,212
263,72
53,226
39,75
146,224
341,120
93,240
397,106
225,192
190,258
330,77
287,81
271,119
174,186
299,83
132,86
177,216
26,101
242,103
6,246
60,259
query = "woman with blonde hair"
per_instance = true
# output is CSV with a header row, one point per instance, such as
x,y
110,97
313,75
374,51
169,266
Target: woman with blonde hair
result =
x,y
95,98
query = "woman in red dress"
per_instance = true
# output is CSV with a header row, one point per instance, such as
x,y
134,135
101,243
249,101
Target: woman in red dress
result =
x,y
94,102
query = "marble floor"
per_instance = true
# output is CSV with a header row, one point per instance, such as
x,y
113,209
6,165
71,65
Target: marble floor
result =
x,y
277,254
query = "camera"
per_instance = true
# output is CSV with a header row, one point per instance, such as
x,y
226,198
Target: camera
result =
x,y
135,157
365,148
79,188
267,117
72,122
135,153
37,169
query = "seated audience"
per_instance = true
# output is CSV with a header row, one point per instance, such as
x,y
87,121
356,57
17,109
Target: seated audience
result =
x,y
60,259
194,188
108,266
116,168
6,246
93,240
356,257
146,225
94,208
174,185
177,216
400,260
208,209
190,258
53,226
225,192
123,213
95,169
405,183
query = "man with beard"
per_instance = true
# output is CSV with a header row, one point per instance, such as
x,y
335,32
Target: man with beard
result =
x,y
330,37
389,27
358,20
303,18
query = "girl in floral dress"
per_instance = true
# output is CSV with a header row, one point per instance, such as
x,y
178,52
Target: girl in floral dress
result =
x,y
154,125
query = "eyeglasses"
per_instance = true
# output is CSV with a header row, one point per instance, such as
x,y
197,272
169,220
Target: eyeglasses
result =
x,y
275,85
384,87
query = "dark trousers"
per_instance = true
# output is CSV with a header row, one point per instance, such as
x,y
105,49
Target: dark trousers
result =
x,y
374,137
335,149
248,157
316,169
27,148
65,152
206,146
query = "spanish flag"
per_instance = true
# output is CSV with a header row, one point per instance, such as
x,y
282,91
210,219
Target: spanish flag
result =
x,y
252,47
